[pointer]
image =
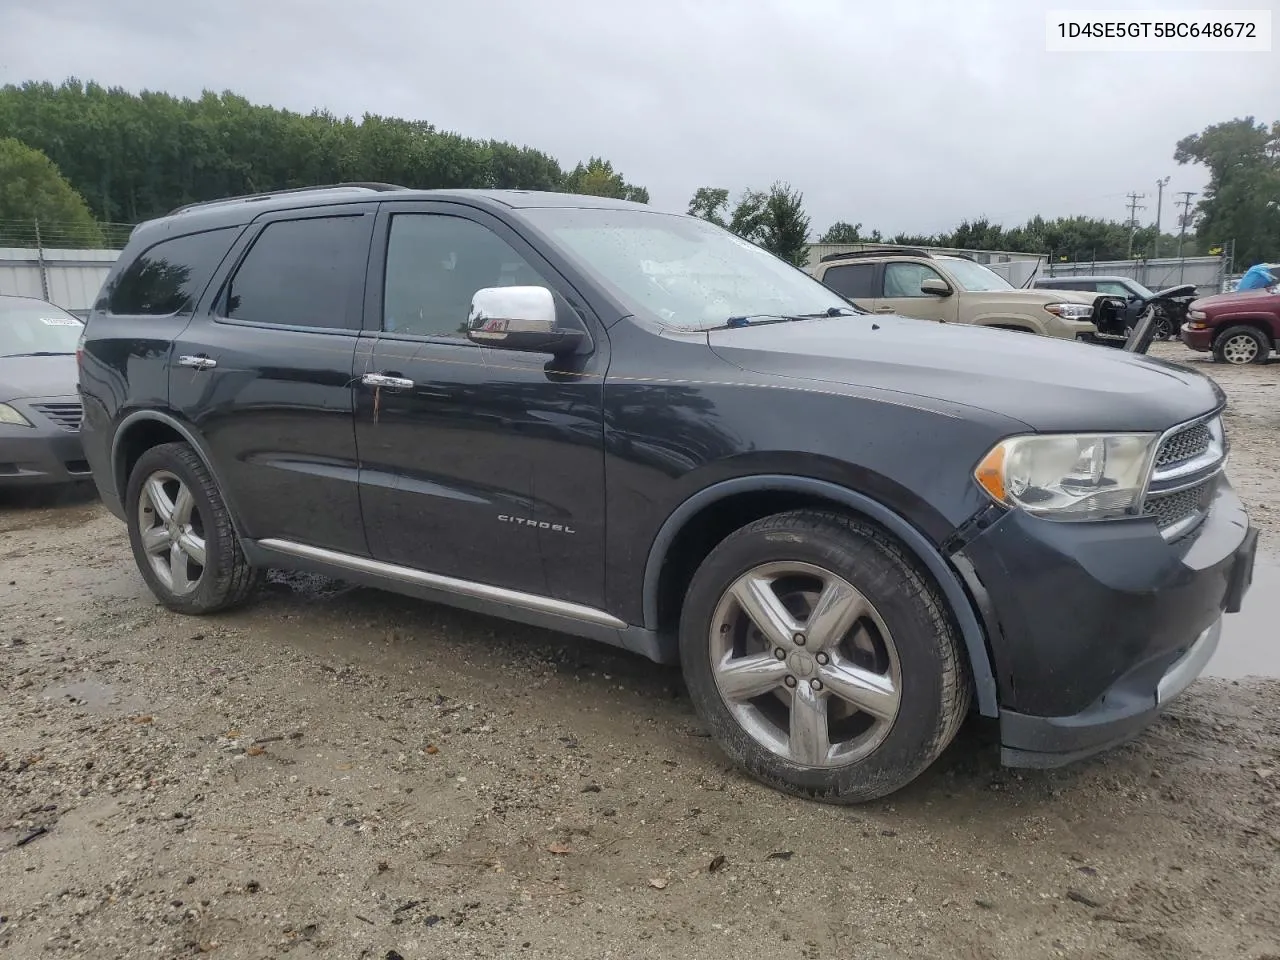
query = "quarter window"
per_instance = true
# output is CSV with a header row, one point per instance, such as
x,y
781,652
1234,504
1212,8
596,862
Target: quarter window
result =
x,y
170,276
435,264
304,273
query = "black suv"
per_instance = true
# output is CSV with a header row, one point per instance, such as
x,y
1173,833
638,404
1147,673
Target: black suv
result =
x,y
636,427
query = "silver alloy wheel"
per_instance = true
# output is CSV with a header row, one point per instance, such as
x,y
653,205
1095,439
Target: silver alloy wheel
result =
x,y
805,664
172,532
1241,348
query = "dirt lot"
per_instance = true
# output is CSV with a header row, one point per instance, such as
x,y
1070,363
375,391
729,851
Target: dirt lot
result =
x,y
341,773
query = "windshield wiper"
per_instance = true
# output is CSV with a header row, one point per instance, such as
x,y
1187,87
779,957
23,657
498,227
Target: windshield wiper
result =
x,y
44,353
754,319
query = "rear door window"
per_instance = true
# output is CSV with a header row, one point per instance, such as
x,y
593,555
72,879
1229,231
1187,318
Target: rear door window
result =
x,y
169,277
303,273
851,280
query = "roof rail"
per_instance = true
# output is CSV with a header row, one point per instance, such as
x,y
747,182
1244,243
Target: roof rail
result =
x,y
878,252
371,186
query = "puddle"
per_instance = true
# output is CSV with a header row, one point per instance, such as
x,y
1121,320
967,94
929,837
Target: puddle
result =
x,y
1250,644
91,695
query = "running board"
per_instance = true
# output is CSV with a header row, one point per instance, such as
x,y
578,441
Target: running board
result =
x,y
547,612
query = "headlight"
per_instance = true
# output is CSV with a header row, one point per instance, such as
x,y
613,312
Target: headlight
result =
x,y
1070,311
12,417
1196,314
1087,476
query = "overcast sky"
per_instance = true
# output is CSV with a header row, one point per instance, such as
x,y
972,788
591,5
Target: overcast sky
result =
x,y
906,116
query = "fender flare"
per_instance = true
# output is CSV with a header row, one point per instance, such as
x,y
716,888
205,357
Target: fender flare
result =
x,y
187,434
916,542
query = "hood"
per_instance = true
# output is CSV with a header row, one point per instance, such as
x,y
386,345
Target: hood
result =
x,y
1041,295
22,377
1046,383
1264,298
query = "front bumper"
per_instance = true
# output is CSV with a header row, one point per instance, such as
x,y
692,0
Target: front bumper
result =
x,y
1094,627
48,452
1201,339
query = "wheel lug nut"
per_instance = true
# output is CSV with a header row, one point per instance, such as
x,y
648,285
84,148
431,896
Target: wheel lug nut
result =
x,y
790,681
780,654
799,639
823,659
815,684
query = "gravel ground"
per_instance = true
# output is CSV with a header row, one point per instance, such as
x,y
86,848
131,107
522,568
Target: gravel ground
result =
x,y
339,772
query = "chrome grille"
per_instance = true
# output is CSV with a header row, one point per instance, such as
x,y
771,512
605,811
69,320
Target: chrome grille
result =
x,y
1170,509
1186,444
1184,476
65,415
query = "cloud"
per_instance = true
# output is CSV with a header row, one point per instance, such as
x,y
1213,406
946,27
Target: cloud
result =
x,y
906,116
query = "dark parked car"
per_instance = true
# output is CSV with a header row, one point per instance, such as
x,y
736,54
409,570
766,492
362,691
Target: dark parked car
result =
x,y
635,426
1238,328
39,404
1170,303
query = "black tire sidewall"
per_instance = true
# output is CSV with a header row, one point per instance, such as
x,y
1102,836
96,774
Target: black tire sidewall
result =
x,y
177,458
914,619
1264,345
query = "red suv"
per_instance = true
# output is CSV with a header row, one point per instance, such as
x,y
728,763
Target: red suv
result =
x,y
1237,327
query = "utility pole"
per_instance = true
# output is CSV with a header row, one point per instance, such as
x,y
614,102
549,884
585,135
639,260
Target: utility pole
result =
x,y
1160,185
1185,219
1134,207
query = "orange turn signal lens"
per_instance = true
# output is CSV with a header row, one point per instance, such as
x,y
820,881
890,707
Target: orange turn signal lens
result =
x,y
990,473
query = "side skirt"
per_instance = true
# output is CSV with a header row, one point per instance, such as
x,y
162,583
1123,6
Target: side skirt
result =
x,y
538,611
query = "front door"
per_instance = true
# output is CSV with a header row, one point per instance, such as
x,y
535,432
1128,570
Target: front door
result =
x,y
264,375
901,293
476,463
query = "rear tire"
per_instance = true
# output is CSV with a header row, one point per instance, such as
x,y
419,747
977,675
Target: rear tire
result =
x,y
181,533
855,684
1241,345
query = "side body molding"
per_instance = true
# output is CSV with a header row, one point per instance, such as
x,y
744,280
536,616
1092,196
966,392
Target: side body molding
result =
x,y
915,541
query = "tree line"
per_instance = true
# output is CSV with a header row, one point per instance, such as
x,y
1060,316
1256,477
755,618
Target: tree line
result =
x,y
80,154
136,156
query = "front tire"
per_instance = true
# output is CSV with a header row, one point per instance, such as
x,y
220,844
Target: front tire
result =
x,y
1241,345
181,533
821,658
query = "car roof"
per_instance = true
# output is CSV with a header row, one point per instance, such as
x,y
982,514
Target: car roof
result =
x,y
239,210
10,298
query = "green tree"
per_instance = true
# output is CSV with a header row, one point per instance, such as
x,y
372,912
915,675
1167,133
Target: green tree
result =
x,y
32,191
1242,200
135,156
784,226
842,232
748,215
598,179
710,203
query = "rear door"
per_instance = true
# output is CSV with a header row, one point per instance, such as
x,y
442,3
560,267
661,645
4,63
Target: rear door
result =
x,y
900,293
264,374
853,281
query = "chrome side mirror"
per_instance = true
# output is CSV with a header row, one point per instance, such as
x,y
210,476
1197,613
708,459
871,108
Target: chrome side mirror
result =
x,y
520,318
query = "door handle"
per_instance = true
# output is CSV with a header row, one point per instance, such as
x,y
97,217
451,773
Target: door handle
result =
x,y
884,309
198,363
382,380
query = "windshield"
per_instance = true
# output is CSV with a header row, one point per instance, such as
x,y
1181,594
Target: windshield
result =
x,y
976,278
686,272
32,327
